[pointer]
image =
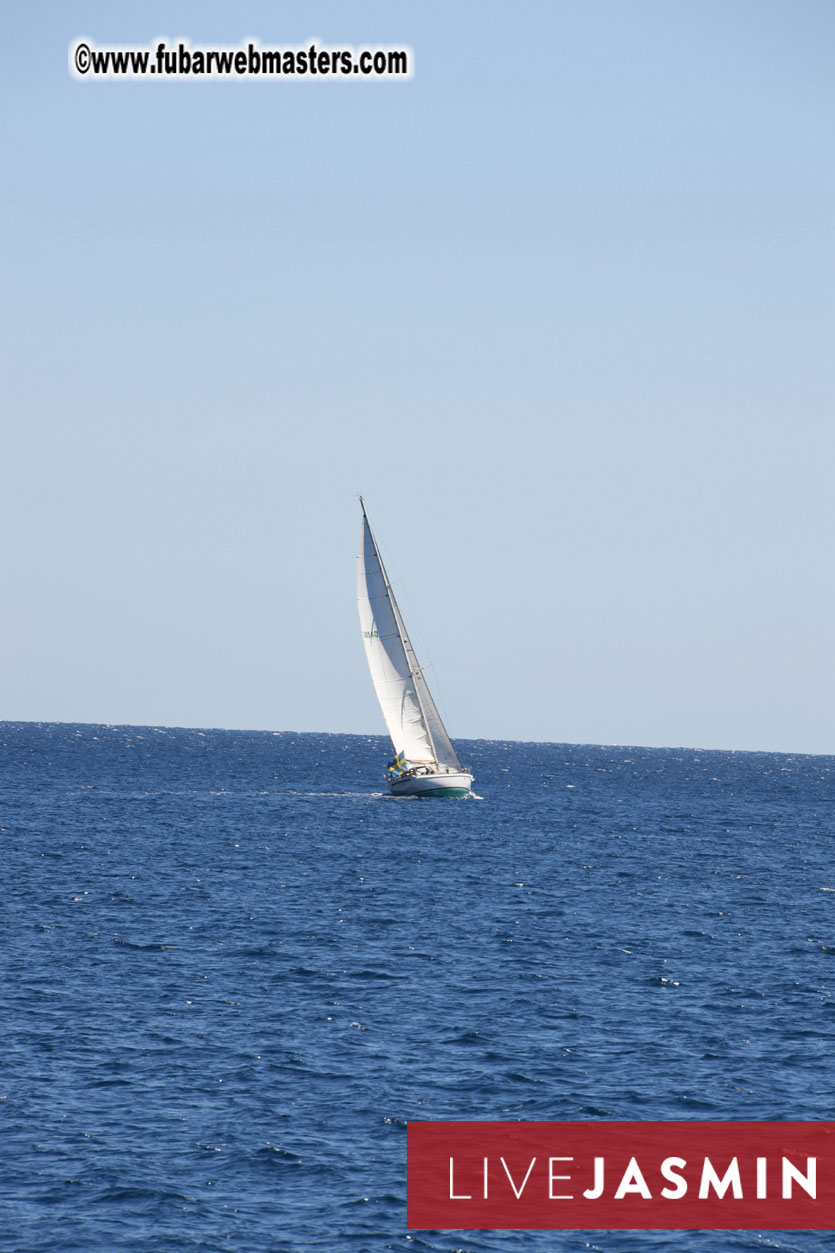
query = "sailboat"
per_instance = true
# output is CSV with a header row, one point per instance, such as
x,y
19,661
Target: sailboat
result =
x,y
425,763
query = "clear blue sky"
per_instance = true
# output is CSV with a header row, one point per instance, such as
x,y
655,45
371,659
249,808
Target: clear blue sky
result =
x,y
560,308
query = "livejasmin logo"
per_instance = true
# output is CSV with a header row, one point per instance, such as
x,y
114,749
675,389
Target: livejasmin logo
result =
x,y
599,1175
632,1181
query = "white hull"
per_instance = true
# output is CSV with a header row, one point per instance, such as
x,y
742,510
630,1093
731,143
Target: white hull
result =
x,y
442,783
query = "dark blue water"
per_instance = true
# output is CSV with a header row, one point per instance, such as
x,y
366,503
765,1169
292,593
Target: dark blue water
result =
x,y
232,973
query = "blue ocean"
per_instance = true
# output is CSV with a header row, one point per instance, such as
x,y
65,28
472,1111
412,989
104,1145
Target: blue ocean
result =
x,y
234,970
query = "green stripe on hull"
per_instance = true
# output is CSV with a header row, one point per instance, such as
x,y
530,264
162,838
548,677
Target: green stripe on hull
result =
x,y
445,791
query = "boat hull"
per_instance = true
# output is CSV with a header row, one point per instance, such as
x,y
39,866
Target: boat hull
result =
x,y
432,785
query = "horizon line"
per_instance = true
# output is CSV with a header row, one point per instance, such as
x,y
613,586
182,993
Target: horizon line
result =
x,y
159,726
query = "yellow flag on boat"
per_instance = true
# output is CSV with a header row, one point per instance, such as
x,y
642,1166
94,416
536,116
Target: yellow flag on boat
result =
x,y
398,765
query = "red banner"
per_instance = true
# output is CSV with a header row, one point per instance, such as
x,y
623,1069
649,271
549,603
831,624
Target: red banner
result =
x,y
642,1175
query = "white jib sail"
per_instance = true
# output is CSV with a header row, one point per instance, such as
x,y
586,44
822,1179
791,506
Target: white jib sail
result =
x,y
413,722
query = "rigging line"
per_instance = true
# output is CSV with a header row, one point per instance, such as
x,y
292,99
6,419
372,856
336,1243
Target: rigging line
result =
x,y
429,664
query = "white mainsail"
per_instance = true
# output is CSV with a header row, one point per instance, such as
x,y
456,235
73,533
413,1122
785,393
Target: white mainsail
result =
x,y
413,721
